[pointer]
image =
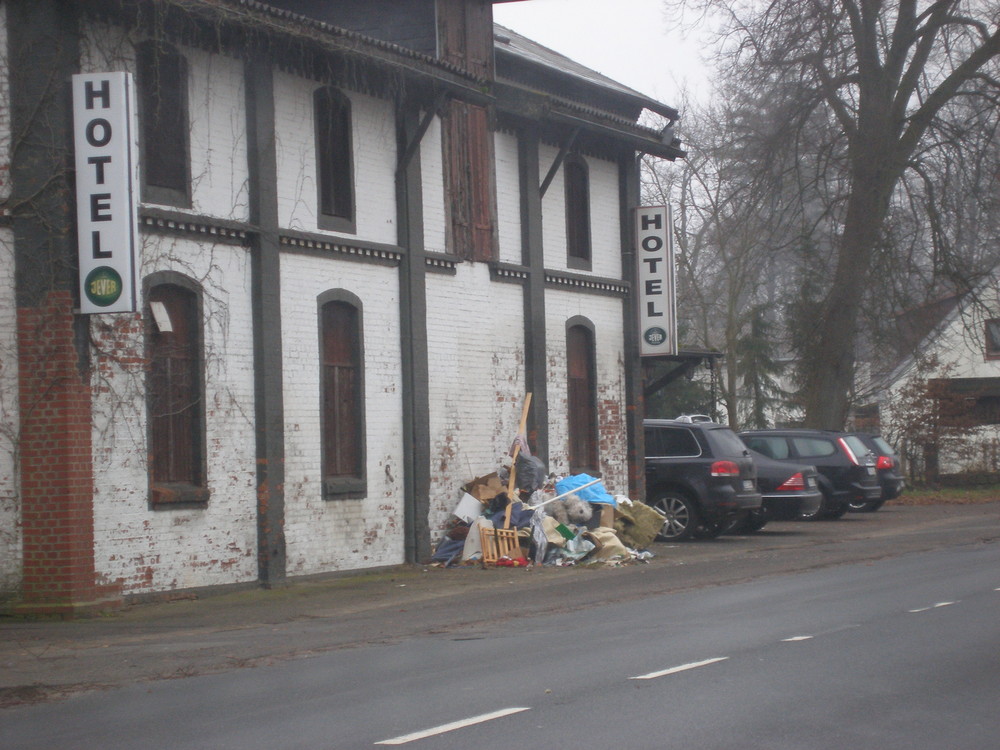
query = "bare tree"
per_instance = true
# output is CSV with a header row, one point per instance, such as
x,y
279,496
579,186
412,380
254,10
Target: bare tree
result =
x,y
878,79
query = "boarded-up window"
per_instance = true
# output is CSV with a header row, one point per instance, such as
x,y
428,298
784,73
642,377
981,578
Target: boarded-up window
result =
x,y
176,411
582,399
334,160
465,34
161,73
577,213
469,159
342,395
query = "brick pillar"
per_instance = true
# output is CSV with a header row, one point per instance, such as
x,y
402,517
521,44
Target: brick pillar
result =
x,y
57,518
56,470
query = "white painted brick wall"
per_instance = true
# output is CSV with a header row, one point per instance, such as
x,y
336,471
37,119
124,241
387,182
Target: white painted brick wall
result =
x,y
217,113
508,197
5,109
605,226
326,535
606,315
475,350
432,179
374,131
10,517
147,550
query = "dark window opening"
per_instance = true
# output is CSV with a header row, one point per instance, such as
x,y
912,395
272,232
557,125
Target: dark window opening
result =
x,y
577,213
334,160
582,400
993,339
161,72
342,406
175,403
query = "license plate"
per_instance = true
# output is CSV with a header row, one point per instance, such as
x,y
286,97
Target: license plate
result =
x,y
748,485
811,482
871,470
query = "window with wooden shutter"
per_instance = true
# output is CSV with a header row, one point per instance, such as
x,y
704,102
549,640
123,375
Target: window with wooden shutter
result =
x,y
342,394
469,165
334,160
175,400
577,181
582,400
161,73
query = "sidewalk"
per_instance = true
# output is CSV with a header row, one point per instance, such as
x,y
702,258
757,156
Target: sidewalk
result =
x,y
44,660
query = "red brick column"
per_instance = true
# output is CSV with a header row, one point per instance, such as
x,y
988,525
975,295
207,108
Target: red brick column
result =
x,y
56,465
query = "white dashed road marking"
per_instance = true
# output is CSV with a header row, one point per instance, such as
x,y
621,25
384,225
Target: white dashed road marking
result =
x,y
933,606
402,740
675,670
795,638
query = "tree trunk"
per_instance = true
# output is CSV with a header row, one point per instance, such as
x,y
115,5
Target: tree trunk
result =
x,y
829,369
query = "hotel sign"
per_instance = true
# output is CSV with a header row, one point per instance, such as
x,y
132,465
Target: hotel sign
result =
x,y
655,289
105,198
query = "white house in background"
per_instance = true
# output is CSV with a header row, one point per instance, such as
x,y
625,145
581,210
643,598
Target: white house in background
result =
x,y
948,365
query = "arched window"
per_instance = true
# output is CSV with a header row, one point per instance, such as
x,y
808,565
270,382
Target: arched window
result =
x,y
342,397
175,395
334,160
577,180
581,399
161,73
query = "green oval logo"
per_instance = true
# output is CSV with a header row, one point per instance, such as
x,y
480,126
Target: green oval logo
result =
x,y
103,286
655,336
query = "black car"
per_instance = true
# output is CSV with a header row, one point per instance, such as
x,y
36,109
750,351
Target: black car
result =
x,y
699,475
890,475
788,491
845,465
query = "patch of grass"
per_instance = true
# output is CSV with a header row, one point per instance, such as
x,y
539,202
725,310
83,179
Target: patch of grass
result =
x,y
928,495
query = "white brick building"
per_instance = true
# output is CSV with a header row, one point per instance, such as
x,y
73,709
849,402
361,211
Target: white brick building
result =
x,y
366,231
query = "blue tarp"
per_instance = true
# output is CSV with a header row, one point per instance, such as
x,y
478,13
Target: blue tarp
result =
x,y
595,493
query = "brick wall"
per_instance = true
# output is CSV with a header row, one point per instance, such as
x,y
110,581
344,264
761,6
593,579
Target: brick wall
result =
x,y
475,350
508,198
374,160
4,111
146,550
10,521
341,534
606,315
605,225
55,461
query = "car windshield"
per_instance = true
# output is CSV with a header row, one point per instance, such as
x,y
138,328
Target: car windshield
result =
x,y
726,442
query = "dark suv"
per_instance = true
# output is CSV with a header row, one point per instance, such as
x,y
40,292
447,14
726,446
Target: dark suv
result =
x,y
846,466
889,470
699,476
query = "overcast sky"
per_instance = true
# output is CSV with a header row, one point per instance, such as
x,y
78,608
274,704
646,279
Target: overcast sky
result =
x,y
627,40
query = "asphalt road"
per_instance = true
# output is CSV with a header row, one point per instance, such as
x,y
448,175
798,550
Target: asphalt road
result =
x,y
223,634
892,650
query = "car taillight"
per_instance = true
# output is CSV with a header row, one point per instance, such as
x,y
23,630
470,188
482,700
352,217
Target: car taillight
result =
x,y
725,469
848,451
884,462
794,482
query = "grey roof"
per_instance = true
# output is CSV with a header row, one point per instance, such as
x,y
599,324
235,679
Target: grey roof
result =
x,y
507,40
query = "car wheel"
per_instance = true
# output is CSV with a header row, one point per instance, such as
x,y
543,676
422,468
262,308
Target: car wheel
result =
x,y
857,506
869,506
680,517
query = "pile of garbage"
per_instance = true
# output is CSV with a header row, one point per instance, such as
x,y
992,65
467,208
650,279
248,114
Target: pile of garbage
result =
x,y
520,515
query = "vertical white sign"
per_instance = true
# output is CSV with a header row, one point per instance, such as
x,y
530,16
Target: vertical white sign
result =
x,y
105,197
657,299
